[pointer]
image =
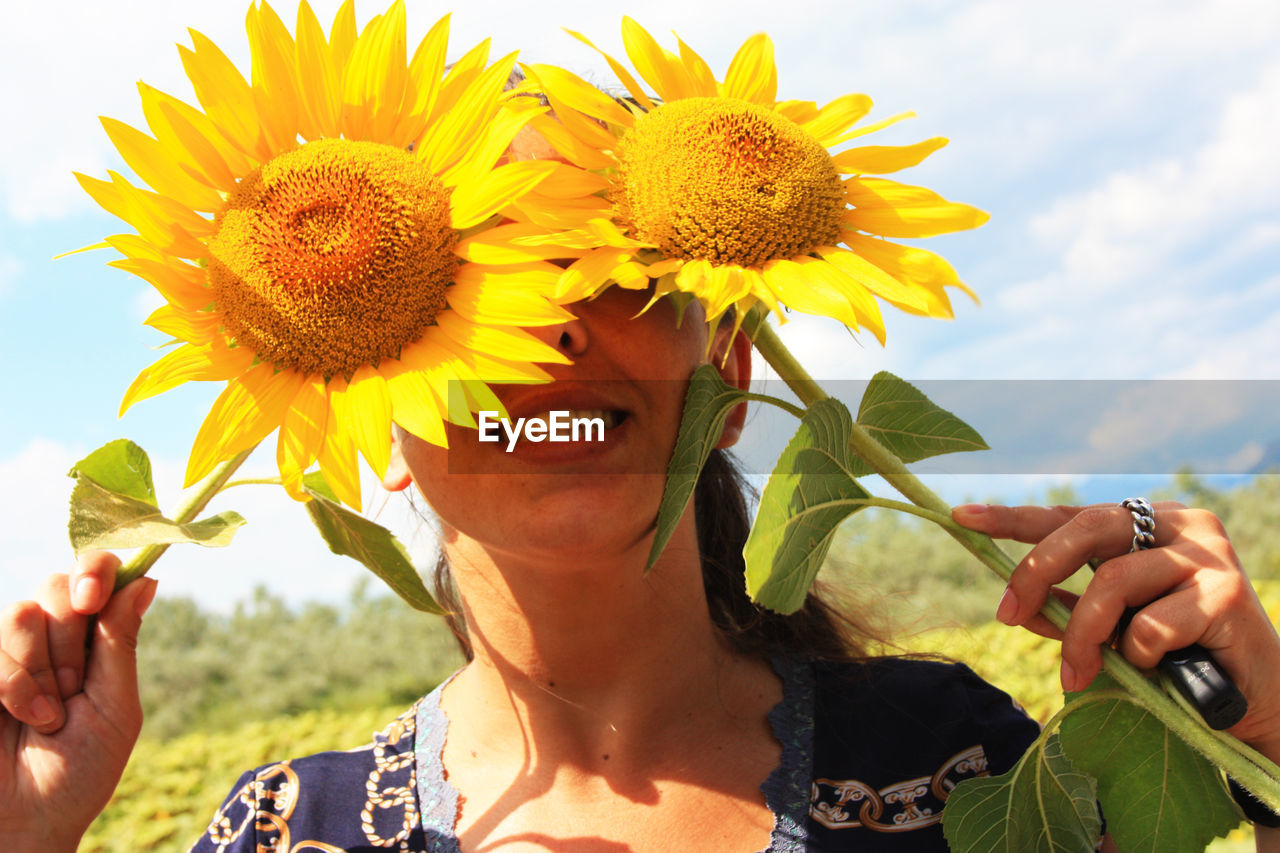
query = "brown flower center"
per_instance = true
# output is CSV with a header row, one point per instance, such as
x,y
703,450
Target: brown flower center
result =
x,y
333,255
726,181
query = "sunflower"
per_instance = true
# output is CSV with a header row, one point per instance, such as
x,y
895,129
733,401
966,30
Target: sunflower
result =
x,y
310,231
716,189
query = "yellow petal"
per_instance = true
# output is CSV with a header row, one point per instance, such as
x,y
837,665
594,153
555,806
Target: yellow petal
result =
x,y
515,243
426,71
699,72
414,406
302,434
453,135
187,363
369,417
274,63
195,327
580,105
836,117
320,100
374,84
447,375
180,284
159,220
155,164
475,202
501,341
800,112
589,273
752,75
917,268
882,159
891,209
866,128
225,96
872,277
797,288
244,414
620,71
510,296
183,128
338,456
656,65
569,146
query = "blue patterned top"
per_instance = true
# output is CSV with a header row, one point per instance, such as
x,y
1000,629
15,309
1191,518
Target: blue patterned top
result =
x,y
870,753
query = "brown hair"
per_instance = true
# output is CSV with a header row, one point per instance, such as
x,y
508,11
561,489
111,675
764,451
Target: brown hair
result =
x,y
721,510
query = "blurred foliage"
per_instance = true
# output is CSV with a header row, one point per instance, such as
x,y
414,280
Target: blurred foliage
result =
x,y
202,670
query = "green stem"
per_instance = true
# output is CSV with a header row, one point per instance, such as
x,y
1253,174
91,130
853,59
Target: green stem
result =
x,y
1253,771
192,504
775,401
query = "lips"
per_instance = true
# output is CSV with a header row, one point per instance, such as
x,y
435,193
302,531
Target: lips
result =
x,y
579,401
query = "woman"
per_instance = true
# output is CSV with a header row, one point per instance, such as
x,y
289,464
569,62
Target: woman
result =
x,y
604,710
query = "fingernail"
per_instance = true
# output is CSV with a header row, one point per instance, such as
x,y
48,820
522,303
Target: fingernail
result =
x,y
87,592
973,509
1008,607
1068,676
42,711
145,598
68,681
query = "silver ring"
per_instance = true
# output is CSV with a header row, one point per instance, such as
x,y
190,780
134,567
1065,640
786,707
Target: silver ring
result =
x,y
1144,523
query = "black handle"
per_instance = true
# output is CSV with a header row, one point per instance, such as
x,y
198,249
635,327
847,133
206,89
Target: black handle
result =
x,y
1200,679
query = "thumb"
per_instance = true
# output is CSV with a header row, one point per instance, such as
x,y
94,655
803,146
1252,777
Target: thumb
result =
x,y
111,679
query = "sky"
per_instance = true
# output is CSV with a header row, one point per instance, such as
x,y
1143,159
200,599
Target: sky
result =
x,y
1124,150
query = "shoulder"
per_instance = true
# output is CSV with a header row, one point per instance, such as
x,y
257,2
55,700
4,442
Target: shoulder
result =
x,y
931,703
344,799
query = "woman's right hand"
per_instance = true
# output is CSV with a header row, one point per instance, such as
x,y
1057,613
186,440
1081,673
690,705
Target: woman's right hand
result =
x,y
69,709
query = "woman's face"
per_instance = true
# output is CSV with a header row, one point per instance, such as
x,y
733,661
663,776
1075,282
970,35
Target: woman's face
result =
x,y
585,499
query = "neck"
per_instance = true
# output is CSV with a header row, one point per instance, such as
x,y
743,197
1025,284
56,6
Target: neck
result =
x,y
591,651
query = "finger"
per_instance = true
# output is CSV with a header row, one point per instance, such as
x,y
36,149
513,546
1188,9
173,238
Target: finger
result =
x,y
1033,523
111,681
1127,581
1091,533
1173,622
66,633
92,580
27,687
1040,624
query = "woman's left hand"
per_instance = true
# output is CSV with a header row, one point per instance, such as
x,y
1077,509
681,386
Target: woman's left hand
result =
x,y
1188,589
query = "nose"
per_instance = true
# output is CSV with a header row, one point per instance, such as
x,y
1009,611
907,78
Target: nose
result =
x,y
569,337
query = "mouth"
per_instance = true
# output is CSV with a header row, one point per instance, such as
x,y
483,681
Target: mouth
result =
x,y
610,418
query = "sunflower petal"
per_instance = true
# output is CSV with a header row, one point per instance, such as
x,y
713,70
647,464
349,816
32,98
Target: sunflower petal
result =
x,y
225,95
501,341
891,209
699,72
338,458
369,417
799,289
656,65
589,273
320,100
883,159
508,296
872,277
374,83
414,406
867,128
196,327
475,202
569,146
580,105
836,118
188,363
191,139
426,72
302,434
252,405
620,71
516,243
752,74
454,134
154,163
180,284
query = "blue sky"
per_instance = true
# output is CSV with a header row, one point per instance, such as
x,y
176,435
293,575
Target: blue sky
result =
x,y
1125,151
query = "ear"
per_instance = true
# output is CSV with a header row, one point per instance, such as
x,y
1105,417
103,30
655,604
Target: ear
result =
x,y
731,353
397,478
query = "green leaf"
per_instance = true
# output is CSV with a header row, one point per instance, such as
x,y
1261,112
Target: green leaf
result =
x,y
907,422
1157,793
119,466
812,489
1042,805
370,544
102,518
706,405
